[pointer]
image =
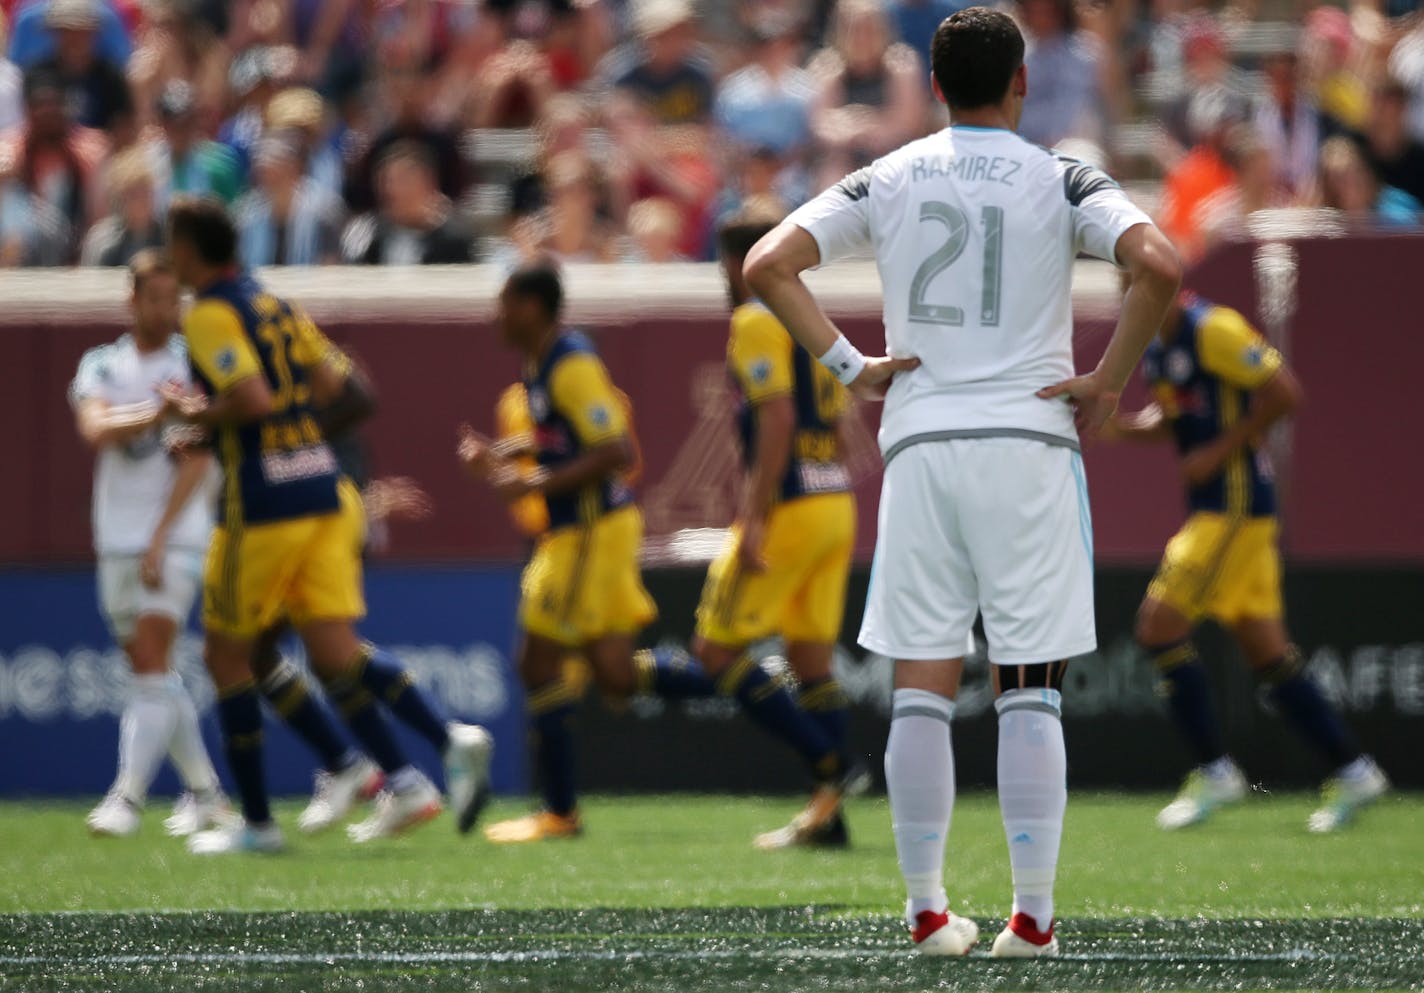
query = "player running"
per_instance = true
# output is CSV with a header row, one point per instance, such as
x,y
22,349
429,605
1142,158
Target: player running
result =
x,y
1219,387
152,515
288,540
582,590
984,506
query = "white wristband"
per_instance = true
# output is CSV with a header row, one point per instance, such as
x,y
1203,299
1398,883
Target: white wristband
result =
x,y
844,360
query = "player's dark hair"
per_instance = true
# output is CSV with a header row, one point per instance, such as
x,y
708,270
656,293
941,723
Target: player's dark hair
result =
x,y
975,53
204,223
738,233
539,281
145,263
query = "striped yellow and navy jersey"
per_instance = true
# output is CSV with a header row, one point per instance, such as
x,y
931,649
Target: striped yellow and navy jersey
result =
x,y
1203,379
575,407
765,362
279,467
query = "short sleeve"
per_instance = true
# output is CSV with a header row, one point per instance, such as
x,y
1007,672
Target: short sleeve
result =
x,y
511,413
1230,348
759,355
217,345
88,382
1101,211
312,347
839,219
581,391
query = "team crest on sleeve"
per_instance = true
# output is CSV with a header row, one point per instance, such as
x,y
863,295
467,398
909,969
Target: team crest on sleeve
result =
x,y
1252,356
760,370
226,360
598,416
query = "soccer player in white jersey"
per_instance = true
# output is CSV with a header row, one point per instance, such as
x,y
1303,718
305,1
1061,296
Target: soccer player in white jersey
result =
x,y
984,507
152,519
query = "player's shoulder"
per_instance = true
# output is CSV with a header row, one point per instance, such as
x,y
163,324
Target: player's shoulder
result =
x,y
573,356
1080,179
753,319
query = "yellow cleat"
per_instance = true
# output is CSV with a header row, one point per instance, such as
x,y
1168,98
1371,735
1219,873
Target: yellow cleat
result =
x,y
540,826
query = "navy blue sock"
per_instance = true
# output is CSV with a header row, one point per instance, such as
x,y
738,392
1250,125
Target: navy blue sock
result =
x,y
240,715
672,674
1188,691
1303,705
382,673
367,722
767,702
551,719
289,694
825,702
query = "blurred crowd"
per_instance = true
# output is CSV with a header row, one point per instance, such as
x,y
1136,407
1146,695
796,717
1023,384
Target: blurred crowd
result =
x,y
382,131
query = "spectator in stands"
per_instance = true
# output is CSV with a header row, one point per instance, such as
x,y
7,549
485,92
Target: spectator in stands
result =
x,y
664,66
1289,124
1065,97
654,228
287,218
255,77
183,161
1406,64
1200,175
1347,184
768,103
95,89
572,229
1253,187
572,35
12,87
133,223
300,115
563,128
404,91
415,224
176,43
513,86
1395,156
916,21
871,97
1213,87
1340,91
51,166
757,173
32,40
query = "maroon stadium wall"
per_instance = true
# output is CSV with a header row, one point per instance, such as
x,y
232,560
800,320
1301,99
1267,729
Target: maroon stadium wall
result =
x,y
1345,309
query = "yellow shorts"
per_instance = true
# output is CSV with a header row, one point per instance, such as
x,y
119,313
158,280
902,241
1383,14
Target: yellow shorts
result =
x,y
1222,566
807,546
584,583
305,569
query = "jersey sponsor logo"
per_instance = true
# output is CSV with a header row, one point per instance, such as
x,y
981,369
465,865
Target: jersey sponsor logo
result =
x,y
1179,367
292,467
823,477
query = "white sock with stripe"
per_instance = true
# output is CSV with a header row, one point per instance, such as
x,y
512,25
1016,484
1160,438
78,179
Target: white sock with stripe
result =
x,y
919,773
145,729
1033,794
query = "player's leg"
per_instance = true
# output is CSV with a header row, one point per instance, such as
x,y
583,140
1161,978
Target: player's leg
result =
x,y
1356,780
920,610
1178,597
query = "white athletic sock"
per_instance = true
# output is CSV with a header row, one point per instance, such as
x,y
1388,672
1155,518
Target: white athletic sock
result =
x,y
186,747
144,731
919,772
1033,794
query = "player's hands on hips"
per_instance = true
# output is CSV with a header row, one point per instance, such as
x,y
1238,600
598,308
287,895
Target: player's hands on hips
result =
x,y
1203,464
1092,402
749,545
874,379
150,567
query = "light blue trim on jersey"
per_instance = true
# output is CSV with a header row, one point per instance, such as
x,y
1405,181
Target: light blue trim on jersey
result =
x,y
976,127
1085,510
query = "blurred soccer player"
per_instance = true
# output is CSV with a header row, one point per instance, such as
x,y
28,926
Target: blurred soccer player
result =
x,y
288,541
151,521
582,591
984,506
1219,386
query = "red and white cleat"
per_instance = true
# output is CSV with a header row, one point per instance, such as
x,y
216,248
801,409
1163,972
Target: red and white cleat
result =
x,y
943,933
1023,940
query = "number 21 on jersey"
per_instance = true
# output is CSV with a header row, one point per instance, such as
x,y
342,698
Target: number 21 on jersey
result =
x,y
957,237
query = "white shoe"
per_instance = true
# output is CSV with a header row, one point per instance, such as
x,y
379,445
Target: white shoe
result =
x,y
1344,795
943,934
336,793
116,817
1022,940
1202,793
193,813
238,837
397,812
467,772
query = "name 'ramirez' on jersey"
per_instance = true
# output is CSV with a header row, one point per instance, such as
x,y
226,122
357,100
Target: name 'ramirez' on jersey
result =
x,y
279,467
1202,379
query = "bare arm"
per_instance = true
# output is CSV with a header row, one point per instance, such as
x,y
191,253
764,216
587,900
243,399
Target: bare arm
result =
x,y
102,425
775,429
482,459
193,468
1274,399
247,400
1146,426
342,400
773,271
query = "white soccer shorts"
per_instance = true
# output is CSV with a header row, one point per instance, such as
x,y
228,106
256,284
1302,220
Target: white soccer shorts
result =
x,y
998,525
124,598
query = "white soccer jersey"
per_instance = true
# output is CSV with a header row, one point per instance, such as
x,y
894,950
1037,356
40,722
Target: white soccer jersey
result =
x,y
132,481
974,231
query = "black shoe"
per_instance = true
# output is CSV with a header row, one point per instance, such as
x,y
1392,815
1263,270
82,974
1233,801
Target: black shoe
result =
x,y
834,834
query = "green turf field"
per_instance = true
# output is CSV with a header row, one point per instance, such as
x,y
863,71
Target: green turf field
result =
x,y
667,893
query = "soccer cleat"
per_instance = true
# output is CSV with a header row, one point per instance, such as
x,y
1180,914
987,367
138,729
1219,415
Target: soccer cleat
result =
x,y
823,807
238,837
539,826
397,812
336,793
116,817
1023,940
943,933
467,772
832,834
193,813
1202,793
1345,795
